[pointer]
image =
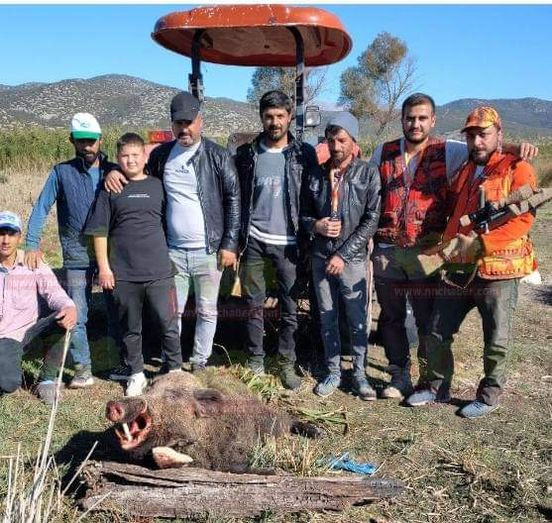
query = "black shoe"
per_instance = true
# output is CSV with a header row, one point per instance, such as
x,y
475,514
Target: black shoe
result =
x,y
363,389
120,373
256,365
400,385
290,379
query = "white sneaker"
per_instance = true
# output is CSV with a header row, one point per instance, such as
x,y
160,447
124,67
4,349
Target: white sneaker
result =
x,y
136,384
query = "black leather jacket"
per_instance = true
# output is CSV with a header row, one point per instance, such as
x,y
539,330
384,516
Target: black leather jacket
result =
x,y
299,156
360,210
218,190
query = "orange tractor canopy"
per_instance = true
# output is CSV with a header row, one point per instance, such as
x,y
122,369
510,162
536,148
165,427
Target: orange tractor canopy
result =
x,y
271,35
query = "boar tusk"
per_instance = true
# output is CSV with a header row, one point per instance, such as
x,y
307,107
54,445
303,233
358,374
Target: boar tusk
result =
x,y
127,432
166,457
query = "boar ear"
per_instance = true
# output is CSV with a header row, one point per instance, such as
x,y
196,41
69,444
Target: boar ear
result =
x,y
208,402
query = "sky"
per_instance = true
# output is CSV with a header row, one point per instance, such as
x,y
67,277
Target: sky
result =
x,y
469,51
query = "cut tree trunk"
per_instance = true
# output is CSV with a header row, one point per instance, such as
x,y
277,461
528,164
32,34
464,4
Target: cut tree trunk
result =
x,y
186,491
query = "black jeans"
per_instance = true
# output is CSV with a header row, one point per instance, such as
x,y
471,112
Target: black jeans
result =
x,y
398,276
392,296
284,261
129,299
12,351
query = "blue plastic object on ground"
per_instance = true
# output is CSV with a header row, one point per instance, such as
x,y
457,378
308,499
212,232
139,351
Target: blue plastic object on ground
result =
x,y
344,462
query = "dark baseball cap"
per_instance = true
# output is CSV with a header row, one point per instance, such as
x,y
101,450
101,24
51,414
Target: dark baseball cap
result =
x,y
184,106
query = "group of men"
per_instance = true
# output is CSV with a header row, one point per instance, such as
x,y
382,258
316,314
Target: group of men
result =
x,y
274,202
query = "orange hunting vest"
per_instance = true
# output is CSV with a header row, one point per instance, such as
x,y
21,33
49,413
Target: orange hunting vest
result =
x,y
516,258
413,211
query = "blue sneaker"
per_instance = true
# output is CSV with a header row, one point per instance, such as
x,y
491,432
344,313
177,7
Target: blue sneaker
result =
x,y
422,397
476,409
328,385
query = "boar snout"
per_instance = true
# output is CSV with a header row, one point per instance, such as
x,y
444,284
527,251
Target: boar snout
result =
x,y
124,411
114,411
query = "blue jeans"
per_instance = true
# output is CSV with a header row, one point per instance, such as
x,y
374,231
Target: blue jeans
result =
x,y
351,285
78,285
199,270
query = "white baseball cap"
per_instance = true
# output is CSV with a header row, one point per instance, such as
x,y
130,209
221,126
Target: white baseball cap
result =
x,y
84,125
10,220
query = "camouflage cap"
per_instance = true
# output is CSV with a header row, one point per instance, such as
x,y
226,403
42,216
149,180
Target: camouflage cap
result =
x,y
483,117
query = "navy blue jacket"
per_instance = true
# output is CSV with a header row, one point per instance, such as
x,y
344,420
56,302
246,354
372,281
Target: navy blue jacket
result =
x,y
70,186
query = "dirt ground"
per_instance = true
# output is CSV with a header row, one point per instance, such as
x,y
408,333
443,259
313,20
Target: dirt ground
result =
x,y
497,469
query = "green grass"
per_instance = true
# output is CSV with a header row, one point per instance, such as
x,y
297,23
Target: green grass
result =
x,y
35,148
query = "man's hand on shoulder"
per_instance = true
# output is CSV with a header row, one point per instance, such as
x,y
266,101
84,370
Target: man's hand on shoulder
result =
x,y
67,318
226,259
528,151
525,150
33,259
115,181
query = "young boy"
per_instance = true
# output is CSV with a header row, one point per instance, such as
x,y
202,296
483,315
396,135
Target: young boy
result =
x,y
138,267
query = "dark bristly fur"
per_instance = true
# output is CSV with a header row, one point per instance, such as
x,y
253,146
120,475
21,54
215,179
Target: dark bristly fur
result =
x,y
217,429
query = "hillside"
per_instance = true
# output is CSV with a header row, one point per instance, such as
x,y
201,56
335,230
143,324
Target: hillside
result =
x,y
135,103
521,117
119,100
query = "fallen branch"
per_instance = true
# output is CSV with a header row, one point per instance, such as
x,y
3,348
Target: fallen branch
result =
x,y
183,492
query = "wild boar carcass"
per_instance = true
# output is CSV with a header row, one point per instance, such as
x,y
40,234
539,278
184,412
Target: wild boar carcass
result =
x,y
177,422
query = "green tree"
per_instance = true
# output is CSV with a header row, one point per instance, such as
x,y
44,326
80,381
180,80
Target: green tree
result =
x,y
283,78
384,74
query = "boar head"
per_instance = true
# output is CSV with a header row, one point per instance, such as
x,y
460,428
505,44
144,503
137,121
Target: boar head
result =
x,y
133,419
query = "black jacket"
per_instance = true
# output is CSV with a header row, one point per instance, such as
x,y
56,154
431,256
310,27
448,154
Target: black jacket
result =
x,y
217,187
360,209
299,156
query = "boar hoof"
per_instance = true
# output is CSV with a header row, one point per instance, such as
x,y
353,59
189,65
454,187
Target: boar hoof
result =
x,y
306,429
166,458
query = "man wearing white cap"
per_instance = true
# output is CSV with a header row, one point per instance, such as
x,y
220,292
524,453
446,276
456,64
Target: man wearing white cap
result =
x,y
19,310
73,185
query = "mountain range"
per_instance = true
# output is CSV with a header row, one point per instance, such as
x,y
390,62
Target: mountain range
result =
x,y
134,103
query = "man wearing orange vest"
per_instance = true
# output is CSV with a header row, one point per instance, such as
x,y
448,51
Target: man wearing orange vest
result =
x,y
416,171
500,257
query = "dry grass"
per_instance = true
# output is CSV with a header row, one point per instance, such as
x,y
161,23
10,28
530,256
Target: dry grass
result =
x,y
35,494
498,469
543,166
19,189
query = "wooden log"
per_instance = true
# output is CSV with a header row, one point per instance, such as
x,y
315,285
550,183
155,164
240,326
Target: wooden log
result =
x,y
170,493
